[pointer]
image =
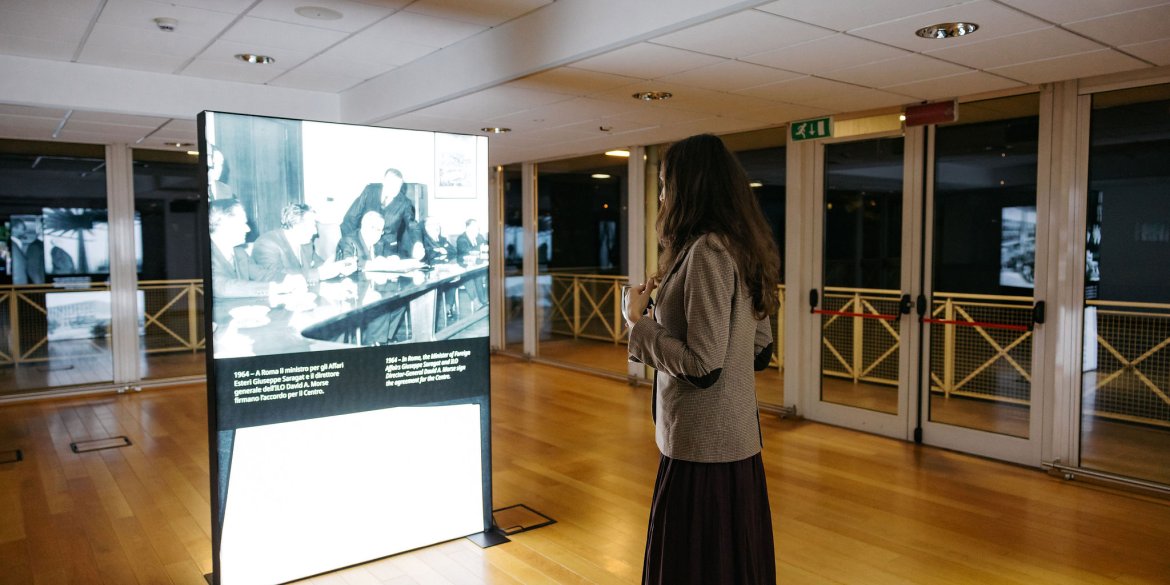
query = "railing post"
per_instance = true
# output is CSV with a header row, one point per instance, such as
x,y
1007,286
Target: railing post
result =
x,y
948,348
616,291
14,319
576,306
858,338
192,320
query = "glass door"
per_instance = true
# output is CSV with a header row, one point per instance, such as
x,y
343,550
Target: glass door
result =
x,y
981,313
862,300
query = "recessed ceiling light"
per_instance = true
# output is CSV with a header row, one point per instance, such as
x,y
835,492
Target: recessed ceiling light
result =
x,y
624,153
255,59
901,117
318,13
755,184
193,152
653,96
946,30
494,130
600,176
180,144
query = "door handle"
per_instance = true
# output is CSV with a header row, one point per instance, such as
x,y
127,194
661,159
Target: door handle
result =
x,y
921,305
905,305
814,298
1038,311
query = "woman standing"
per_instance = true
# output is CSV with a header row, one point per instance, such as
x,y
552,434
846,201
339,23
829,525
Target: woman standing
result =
x,y
707,334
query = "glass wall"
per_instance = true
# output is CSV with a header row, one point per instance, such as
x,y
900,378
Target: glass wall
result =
x,y
1125,391
54,267
513,260
984,257
763,155
170,269
582,261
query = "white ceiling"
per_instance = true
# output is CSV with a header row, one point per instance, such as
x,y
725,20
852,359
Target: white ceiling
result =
x,y
559,73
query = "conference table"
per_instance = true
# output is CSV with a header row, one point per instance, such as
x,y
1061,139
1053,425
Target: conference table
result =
x,y
365,308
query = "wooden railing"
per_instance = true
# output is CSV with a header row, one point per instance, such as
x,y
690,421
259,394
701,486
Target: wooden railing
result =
x,y
1130,379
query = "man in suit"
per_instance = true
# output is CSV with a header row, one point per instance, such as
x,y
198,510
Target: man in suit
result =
x,y
389,199
367,244
28,253
289,250
232,272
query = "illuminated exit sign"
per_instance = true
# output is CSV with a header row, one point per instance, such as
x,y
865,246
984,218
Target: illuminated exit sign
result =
x,y
811,129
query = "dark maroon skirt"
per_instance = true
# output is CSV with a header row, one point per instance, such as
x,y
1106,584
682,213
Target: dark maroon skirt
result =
x,y
710,523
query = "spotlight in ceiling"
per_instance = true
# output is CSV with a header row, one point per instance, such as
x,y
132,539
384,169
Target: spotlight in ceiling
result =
x,y
624,153
599,176
946,30
193,152
318,13
180,144
255,59
755,184
653,96
494,130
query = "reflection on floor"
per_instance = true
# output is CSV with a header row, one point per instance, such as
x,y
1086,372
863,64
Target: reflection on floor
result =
x,y
984,415
78,366
879,397
847,507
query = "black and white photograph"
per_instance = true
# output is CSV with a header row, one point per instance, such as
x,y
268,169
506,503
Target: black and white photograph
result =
x,y
27,249
1017,258
334,236
77,241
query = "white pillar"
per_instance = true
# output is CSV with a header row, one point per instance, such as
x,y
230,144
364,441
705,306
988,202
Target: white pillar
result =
x,y
123,263
636,231
528,209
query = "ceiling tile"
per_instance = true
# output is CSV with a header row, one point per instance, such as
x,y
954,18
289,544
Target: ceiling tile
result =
x,y
178,125
224,51
493,103
103,136
228,6
804,91
480,12
826,54
561,113
32,111
140,14
692,99
44,127
114,56
305,39
420,29
1138,26
354,15
316,79
906,69
149,41
1156,52
646,61
862,99
843,16
730,76
1071,67
45,27
570,81
650,114
378,49
34,47
1030,46
150,122
83,9
351,68
229,71
781,113
418,121
1063,11
955,86
742,33
994,20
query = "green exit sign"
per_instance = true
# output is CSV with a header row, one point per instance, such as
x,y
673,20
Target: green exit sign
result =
x,y
811,129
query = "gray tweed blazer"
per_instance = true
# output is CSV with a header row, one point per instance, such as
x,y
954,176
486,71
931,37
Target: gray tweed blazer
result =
x,y
706,345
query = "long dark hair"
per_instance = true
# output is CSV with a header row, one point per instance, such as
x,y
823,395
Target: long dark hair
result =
x,y
707,192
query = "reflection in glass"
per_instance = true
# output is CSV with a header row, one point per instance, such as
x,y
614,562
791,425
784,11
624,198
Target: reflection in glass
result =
x,y
984,266
860,338
766,168
513,260
1125,412
170,275
582,261
55,318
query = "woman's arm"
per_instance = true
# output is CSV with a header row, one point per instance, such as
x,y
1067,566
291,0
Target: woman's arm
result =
x,y
708,288
764,343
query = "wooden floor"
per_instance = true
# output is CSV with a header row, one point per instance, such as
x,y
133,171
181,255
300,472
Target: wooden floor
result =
x,y
847,507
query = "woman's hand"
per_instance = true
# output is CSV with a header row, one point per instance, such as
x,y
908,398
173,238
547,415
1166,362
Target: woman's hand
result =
x,y
638,299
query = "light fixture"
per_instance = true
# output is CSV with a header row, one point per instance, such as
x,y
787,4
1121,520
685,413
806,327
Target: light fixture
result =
x,y
624,153
317,13
494,130
180,144
946,30
193,152
255,59
755,184
901,117
166,24
600,176
653,96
